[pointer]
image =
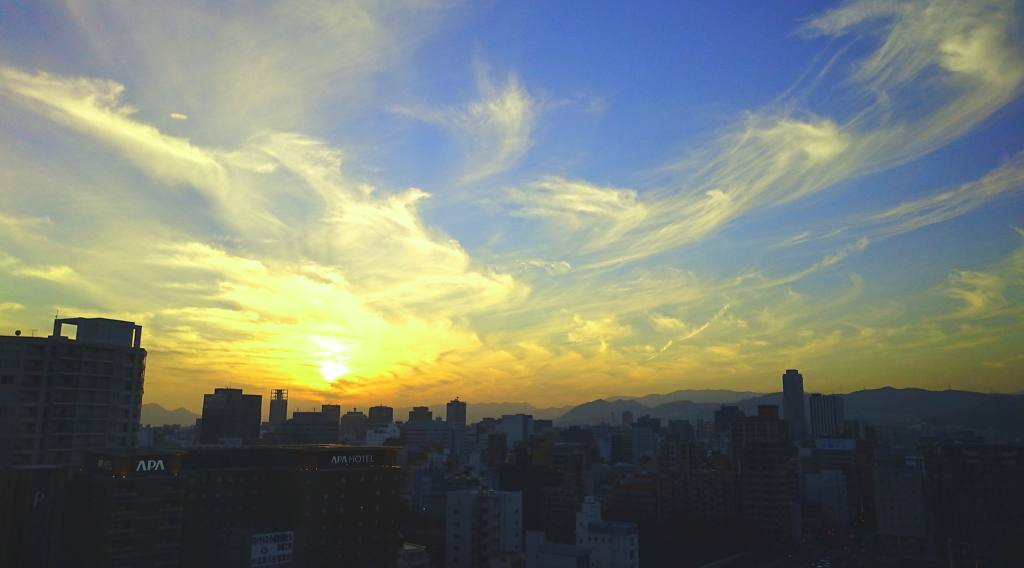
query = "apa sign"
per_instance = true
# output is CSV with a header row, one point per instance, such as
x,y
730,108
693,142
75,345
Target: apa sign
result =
x,y
272,548
150,465
352,459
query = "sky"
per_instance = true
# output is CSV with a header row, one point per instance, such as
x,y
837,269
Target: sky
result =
x,y
406,201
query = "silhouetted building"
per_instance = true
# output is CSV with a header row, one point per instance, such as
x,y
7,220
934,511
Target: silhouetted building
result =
x,y
627,417
353,425
313,506
761,450
381,415
32,515
793,403
61,396
827,418
278,407
516,427
420,414
725,416
230,415
456,412
978,501
307,428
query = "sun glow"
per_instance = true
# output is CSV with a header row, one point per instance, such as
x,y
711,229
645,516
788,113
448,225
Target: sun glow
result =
x,y
333,363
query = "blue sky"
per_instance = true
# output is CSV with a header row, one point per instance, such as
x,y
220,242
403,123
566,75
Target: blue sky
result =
x,y
412,200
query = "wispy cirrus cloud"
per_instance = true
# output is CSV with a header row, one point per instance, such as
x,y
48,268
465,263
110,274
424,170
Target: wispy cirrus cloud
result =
x,y
494,130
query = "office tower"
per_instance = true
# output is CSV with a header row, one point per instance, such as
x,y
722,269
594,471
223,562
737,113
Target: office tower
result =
x,y
61,396
793,403
480,525
420,414
456,412
623,446
978,503
230,417
516,427
612,544
353,426
826,415
627,417
826,491
902,519
761,450
381,415
429,436
726,415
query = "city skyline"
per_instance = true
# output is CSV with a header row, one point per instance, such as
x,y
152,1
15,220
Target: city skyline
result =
x,y
406,202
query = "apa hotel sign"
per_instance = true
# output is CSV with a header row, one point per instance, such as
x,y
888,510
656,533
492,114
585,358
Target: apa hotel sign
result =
x,y
343,457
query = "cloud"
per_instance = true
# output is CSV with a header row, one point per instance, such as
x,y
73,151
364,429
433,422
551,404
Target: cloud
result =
x,y
493,130
599,214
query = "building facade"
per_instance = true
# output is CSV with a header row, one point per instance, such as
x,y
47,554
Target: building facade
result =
x,y
611,544
456,412
481,525
230,415
827,417
60,396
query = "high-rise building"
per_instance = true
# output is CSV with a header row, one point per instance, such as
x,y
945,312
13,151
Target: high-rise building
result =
x,y
761,450
725,415
827,417
612,544
307,428
278,407
353,426
978,503
381,415
482,524
456,412
627,417
420,414
902,512
60,396
793,403
230,416
516,427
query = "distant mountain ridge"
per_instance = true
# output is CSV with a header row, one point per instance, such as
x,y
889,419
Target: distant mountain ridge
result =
x,y
886,405
155,415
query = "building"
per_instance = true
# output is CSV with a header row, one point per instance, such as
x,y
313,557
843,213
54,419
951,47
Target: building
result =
x,y
481,525
627,417
725,416
381,415
978,503
902,515
826,492
278,407
228,414
611,544
353,425
827,418
456,412
312,506
307,428
430,435
761,450
542,554
61,396
516,427
413,556
381,433
793,403
420,414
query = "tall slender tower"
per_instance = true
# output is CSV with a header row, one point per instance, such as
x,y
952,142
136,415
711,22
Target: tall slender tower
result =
x,y
793,403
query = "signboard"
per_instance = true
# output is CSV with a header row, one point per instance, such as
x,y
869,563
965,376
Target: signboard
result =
x,y
354,457
272,548
841,444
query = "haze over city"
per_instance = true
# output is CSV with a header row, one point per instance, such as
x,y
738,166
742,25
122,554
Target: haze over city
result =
x,y
401,202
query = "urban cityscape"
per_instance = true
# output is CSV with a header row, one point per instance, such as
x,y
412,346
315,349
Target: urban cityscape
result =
x,y
808,482
511,284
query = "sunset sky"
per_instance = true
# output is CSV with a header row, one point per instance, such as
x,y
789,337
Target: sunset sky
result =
x,y
402,202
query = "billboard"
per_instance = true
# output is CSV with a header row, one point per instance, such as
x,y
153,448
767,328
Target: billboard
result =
x,y
272,548
842,444
357,457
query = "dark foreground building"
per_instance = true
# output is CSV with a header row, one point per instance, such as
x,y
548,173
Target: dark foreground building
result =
x,y
295,506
